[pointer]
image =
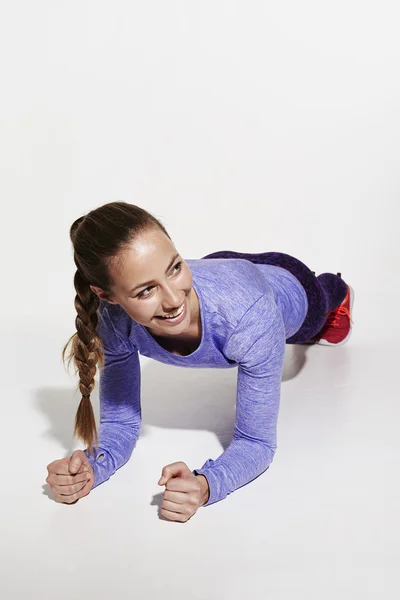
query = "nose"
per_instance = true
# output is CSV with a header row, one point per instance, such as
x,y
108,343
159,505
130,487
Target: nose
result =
x,y
172,298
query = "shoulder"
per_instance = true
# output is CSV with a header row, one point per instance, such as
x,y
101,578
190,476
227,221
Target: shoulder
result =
x,y
250,320
228,286
237,275
114,327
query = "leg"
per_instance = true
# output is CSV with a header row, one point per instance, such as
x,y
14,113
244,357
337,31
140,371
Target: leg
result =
x,y
334,289
324,293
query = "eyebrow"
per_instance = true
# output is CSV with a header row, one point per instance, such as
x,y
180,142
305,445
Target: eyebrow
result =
x,y
146,283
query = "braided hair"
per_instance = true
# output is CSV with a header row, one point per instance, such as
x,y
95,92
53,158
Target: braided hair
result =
x,y
98,239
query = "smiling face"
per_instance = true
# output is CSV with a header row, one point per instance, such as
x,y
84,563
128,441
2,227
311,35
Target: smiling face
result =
x,y
152,282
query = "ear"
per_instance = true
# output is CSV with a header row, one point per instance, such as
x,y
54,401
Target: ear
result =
x,y
101,294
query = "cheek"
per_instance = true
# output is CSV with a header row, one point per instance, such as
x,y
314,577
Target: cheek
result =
x,y
143,311
150,307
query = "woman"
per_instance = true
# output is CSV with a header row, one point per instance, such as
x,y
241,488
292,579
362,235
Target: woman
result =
x,y
136,295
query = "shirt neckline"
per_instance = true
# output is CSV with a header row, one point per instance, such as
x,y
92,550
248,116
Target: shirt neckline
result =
x,y
188,356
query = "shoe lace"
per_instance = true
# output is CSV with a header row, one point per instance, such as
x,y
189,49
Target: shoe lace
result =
x,y
334,316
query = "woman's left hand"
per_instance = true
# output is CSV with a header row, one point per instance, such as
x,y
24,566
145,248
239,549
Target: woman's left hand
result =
x,y
184,492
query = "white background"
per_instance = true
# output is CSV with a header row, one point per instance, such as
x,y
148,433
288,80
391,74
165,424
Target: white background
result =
x,y
247,126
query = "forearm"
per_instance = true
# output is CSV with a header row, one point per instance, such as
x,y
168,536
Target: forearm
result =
x,y
116,444
120,414
242,461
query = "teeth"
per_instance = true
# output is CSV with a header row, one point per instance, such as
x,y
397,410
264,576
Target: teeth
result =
x,y
178,312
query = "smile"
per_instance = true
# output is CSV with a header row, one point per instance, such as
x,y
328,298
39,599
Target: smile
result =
x,y
178,315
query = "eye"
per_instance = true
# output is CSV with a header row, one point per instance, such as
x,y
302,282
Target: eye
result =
x,y
178,266
142,293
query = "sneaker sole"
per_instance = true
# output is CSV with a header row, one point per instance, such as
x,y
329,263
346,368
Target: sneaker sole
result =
x,y
346,339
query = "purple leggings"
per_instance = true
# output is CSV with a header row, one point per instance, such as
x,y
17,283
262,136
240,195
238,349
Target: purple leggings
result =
x,y
324,293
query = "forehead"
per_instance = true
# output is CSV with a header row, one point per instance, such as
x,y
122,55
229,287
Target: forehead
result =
x,y
146,258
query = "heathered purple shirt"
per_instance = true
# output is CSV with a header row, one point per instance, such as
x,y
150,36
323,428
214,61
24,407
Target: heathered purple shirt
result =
x,y
247,313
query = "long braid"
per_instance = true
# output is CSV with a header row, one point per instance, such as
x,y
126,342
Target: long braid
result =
x,y
86,352
86,357
98,239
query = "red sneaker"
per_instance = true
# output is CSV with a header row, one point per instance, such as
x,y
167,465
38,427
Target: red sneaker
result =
x,y
337,328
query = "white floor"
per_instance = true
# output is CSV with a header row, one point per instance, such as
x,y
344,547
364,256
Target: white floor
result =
x,y
248,126
322,522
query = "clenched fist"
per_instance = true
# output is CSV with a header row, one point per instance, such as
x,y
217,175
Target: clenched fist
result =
x,y
70,478
184,492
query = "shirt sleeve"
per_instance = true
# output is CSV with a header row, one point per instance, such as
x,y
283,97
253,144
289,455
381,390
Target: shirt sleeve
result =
x,y
258,346
120,408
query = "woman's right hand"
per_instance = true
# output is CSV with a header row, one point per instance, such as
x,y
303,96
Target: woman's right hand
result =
x,y
70,478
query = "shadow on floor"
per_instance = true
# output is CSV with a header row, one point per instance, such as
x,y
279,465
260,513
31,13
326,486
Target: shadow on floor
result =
x,y
172,397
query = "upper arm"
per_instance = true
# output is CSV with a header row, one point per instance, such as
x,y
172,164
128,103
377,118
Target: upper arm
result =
x,y
120,378
259,346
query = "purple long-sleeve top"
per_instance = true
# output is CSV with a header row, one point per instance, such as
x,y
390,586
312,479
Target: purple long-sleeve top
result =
x,y
247,312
